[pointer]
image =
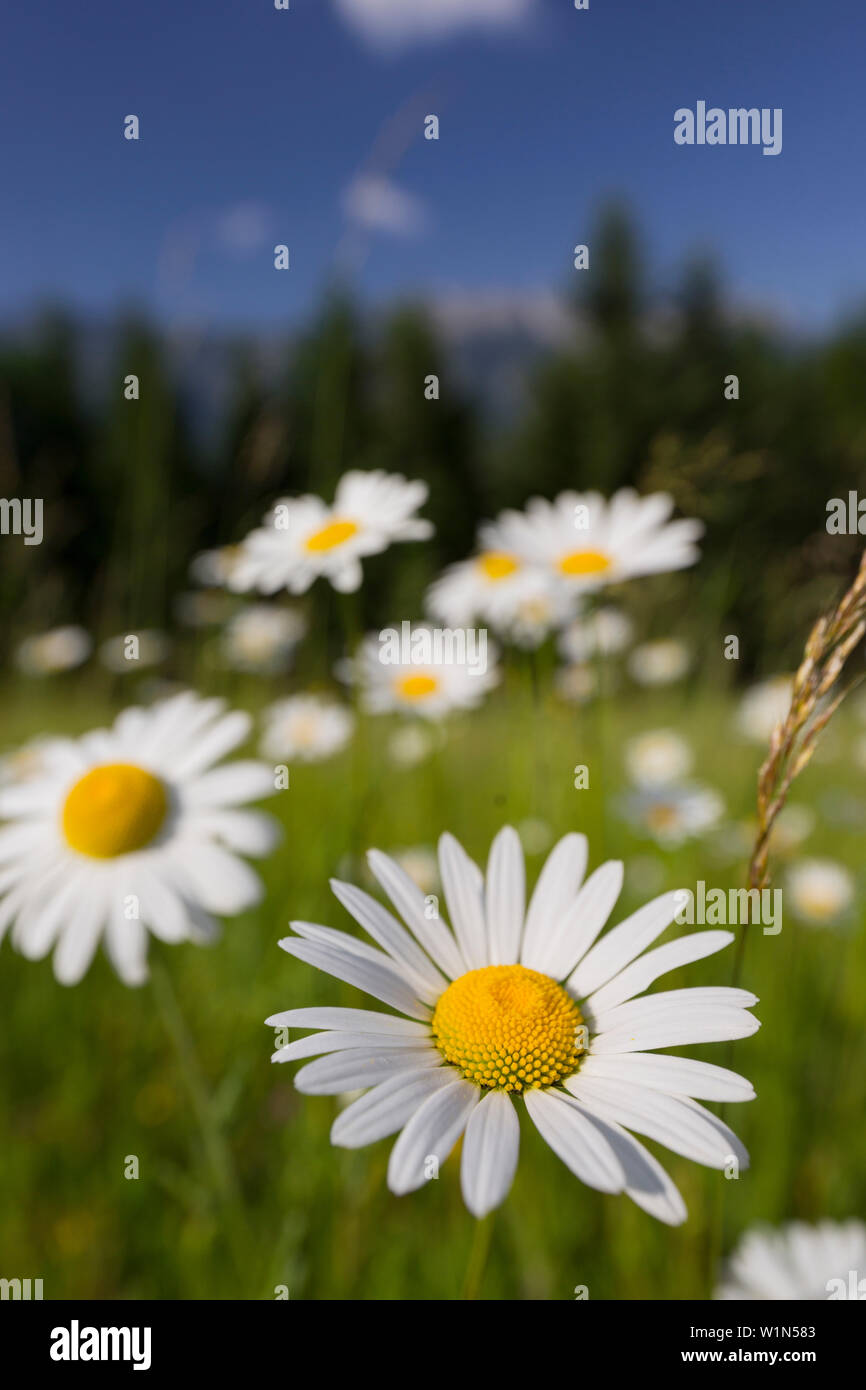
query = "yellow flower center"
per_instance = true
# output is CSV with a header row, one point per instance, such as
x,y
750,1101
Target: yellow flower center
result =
x,y
662,817
508,1028
495,564
584,562
416,687
113,810
330,536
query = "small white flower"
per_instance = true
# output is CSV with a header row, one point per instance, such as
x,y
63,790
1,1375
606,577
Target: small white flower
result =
x,y
262,638
519,1003
603,633
588,541
658,758
659,663
304,538
763,707
429,689
131,830
797,1261
535,834
520,601
120,656
670,815
576,684
411,745
820,891
214,568
47,653
305,728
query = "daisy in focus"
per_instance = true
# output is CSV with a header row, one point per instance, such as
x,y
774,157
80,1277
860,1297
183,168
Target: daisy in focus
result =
x,y
304,538
797,1261
514,1008
432,689
306,729
587,541
131,830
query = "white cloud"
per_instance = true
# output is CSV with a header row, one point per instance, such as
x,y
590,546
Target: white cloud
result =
x,y
378,205
390,23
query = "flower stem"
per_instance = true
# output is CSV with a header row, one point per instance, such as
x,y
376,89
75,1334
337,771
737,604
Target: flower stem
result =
x,y
477,1262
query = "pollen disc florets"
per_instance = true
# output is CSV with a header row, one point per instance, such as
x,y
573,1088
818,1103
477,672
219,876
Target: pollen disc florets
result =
x,y
508,1028
114,809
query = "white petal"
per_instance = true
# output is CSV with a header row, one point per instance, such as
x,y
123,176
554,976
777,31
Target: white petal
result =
x,y
354,1070
574,933
386,1108
232,785
379,980
646,1181
622,944
641,973
573,1138
220,739
218,880
505,897
554,892
463,885
409,901
317,1044
668,1004
391,935
678,1076
431,1132
246,832
352,1020
76,948
680,1125
490,1148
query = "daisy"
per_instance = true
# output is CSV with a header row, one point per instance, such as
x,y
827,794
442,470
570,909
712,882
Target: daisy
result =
x,y
262,638
410,745
120,656
670,815
657,758
796,1261
512,1008
306,729
304,538
659,663
214,568
588,541
820,891
129,830
763,707
430,689
47,653
603,633
576,684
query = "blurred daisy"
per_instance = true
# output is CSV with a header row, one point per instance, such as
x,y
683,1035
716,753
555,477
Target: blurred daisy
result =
x,y
576,684
670,815
411,745
524,1004
214,568
659,663
47,653
306,729
520,601
603,633
820,891
420,863
536,835
129,830
657,758
588,541
794,824
133,651
24,762
262,638
431,690
796,1261
763,707
303,538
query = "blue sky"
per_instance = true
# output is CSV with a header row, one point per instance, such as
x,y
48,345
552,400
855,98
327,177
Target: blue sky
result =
x,y
256,122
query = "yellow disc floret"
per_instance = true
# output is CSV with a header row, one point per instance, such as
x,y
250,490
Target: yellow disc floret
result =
x,y
584,562
508,1028
333,534
417,687
112,810
495,565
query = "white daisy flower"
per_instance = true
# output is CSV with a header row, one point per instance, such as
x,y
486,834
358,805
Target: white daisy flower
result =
x,y
820,891
430,689
129,830
519,1003
659,663
306,729
576,684
48,653
410,745
763,707
303,538
522,602
262,638
797,1261
588,541
214,568
658,758
121,655
607,632
673,814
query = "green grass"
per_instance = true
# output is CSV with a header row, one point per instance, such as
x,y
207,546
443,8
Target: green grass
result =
x,y
239,1189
